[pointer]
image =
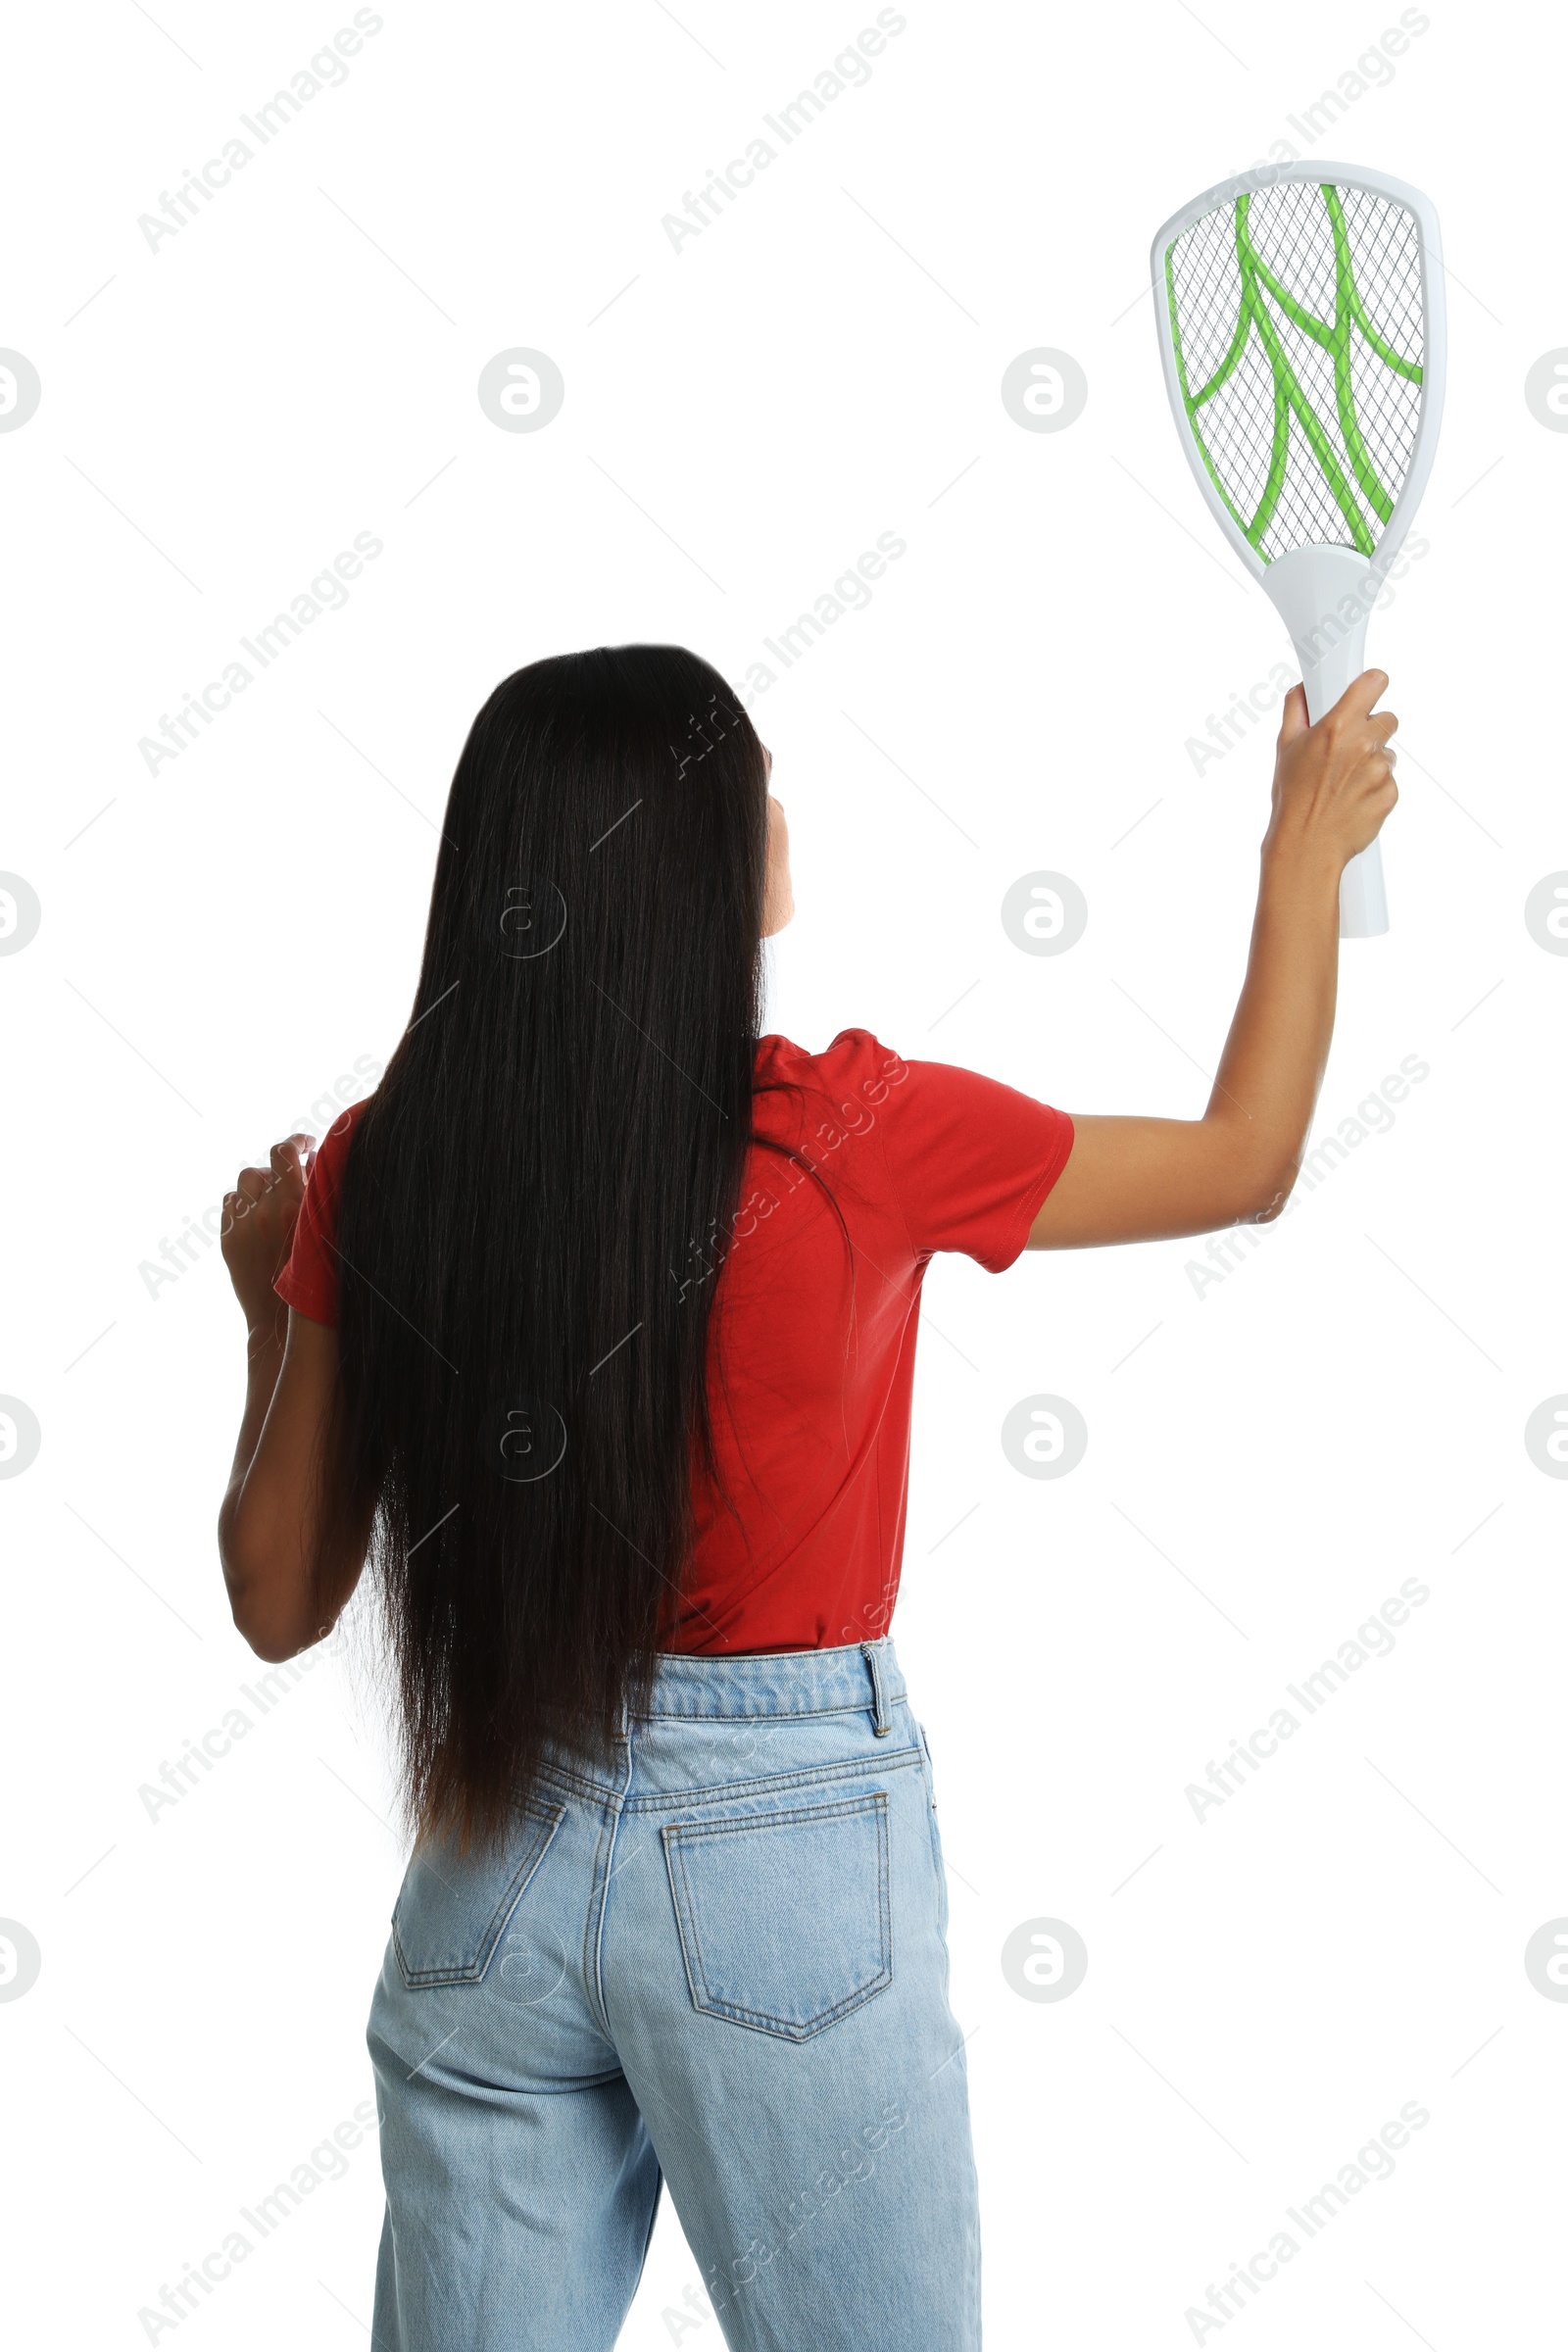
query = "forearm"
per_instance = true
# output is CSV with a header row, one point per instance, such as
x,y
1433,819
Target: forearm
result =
x,y
1141,1179
265,1334
283,1593
1275,1055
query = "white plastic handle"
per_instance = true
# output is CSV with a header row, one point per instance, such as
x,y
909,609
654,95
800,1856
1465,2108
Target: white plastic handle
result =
x,y
1363,900
1324,596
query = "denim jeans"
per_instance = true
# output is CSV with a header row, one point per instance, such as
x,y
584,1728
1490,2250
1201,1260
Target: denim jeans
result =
x,y
718,1958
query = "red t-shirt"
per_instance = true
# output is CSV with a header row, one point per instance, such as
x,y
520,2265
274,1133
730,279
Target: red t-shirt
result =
x,y
811,1421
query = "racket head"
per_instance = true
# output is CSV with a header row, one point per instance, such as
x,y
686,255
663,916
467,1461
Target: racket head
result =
x,y
1360,254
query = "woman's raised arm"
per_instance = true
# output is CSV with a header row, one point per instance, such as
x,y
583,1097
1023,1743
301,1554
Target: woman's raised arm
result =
x,y
1144,1180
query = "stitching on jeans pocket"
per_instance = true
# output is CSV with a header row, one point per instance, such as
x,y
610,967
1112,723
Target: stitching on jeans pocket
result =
x,y
808,1777
450,1914
784,1916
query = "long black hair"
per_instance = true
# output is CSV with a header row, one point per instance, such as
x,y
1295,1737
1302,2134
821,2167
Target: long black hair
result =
x,y
529,1204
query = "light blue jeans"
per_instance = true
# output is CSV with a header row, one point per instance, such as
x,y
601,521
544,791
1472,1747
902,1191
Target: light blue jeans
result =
x,y
718,1958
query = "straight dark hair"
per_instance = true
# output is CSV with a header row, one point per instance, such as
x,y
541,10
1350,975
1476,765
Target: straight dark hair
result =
x,y
530,1203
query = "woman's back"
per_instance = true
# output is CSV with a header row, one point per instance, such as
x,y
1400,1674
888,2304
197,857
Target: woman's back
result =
x,y
813,1326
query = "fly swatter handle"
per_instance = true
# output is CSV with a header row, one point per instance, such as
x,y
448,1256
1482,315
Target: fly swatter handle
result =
x,y
1364,901
1363,905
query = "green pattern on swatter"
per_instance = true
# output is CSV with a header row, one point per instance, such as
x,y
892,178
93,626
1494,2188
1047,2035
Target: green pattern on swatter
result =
x,y
1297,316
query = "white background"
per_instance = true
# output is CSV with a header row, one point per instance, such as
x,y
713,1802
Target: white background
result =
x,y
222,940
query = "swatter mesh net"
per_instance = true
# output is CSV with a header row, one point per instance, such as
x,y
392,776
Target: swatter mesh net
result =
x,y
1297,319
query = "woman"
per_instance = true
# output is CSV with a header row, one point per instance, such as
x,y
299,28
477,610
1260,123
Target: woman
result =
x,y
594,1326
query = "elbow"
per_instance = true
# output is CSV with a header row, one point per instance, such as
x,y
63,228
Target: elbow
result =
x,y
1268,1193
258,1620
1249,1169
276,1635
256,1588
266,1639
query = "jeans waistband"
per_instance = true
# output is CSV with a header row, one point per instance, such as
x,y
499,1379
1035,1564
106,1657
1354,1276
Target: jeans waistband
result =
x,y
863,1674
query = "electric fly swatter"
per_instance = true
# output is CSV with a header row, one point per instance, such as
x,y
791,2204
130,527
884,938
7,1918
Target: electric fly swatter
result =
x,y
1301,321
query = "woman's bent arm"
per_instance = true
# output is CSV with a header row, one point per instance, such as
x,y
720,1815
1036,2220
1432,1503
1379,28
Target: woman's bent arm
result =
x,y
267,1523
1139,1180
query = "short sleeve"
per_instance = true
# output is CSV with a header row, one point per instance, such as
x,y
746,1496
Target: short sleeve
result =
x,y
309,1280
969,1160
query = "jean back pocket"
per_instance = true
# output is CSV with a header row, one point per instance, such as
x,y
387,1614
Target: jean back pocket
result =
x,y
452,1913
784,1917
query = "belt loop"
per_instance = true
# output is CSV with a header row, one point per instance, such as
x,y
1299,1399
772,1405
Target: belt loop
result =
x,y
881,1721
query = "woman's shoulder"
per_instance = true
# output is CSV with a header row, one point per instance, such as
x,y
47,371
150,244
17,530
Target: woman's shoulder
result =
x,y
854,1057
840,1091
